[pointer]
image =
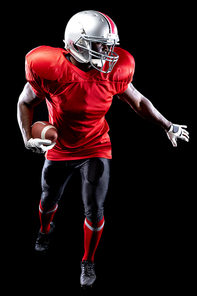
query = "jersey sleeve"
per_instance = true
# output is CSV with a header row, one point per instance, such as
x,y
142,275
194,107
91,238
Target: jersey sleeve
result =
x,y
124,70
123,87
35,81
41,68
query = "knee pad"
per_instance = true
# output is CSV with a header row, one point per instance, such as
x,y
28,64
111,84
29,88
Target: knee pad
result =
x,y
94,170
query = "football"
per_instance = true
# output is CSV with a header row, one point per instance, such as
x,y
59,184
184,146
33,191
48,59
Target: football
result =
x,y
44,130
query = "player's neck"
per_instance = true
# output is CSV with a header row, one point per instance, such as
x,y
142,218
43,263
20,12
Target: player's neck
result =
x,y
82,66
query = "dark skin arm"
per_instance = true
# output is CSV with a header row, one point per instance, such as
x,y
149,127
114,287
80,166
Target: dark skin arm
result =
x,y
144,107
25,108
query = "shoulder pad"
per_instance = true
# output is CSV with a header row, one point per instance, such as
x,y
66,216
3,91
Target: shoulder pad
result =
x,y
124,67
44,59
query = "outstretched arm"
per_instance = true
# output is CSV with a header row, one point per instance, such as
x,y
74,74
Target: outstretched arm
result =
x,y
145,108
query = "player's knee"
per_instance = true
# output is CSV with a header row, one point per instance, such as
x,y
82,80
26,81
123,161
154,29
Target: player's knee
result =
x,y
94,214
47,201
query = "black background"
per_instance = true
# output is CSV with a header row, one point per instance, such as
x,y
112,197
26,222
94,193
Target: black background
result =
x,y
148,239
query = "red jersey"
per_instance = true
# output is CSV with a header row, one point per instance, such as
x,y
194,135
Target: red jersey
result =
x,y
77,101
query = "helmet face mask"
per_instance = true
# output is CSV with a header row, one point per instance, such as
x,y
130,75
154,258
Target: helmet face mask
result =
x,y
97,59
92,27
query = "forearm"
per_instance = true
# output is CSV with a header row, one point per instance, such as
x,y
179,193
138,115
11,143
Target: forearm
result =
x,y
25,117
25,108
146,109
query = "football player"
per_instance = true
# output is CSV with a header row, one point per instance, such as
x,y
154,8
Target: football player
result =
x,y
78,84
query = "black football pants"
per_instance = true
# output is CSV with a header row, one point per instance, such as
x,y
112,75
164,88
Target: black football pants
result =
x,y
94,183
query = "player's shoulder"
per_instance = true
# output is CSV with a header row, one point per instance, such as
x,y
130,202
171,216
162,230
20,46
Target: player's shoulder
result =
x,y
44,59
125,65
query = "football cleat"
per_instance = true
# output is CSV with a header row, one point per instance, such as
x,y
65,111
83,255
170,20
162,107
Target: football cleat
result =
x,y
88,275
43,239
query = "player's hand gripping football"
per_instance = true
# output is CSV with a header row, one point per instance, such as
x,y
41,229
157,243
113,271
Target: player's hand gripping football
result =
x,y
177,132
39,146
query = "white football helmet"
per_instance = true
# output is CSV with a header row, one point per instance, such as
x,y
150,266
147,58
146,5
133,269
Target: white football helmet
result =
x,y
92,26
